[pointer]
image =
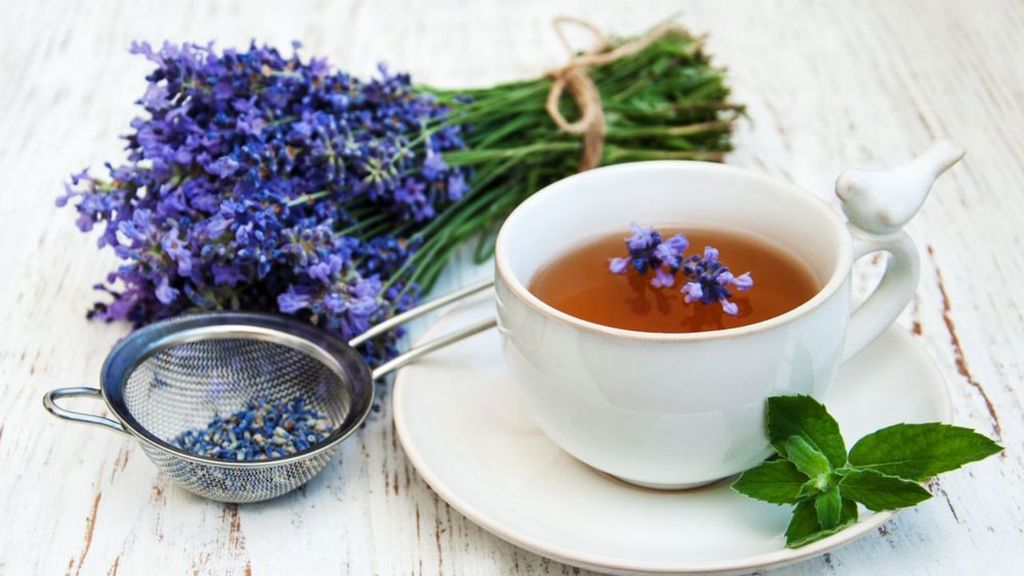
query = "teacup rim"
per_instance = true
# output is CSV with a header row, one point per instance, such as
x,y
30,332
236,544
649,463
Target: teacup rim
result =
x,y
840,271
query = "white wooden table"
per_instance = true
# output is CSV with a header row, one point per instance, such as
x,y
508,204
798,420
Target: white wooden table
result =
x,y
828,85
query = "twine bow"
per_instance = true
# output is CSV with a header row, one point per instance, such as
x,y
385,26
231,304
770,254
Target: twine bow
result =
x,y
584,92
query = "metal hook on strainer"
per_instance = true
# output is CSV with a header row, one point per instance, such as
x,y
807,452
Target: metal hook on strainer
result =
x,y
176,374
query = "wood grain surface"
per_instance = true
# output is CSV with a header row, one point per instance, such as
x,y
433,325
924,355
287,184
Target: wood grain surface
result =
x,y
828,85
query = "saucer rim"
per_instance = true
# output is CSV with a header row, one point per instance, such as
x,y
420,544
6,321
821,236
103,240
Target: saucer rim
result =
x,y
601,563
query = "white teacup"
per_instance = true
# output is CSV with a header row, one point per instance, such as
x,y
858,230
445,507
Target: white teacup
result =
x,y
681,410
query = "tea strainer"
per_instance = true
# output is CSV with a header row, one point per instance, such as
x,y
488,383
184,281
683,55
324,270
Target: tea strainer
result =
x,y
179,373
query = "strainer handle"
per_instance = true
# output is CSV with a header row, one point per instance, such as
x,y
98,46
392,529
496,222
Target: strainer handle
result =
x,y
50,403
439,342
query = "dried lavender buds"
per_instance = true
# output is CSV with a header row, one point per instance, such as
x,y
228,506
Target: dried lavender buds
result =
x,y
262,431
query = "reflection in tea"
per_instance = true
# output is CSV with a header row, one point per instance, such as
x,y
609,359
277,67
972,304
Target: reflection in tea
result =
x,y
579,283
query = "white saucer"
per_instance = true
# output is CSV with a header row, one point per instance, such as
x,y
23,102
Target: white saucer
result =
x,y
464,430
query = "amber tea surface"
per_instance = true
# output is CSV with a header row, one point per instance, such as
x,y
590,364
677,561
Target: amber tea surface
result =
x,y
579,283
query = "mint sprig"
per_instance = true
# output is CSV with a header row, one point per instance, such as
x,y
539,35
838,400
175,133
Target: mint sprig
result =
x,y
883,470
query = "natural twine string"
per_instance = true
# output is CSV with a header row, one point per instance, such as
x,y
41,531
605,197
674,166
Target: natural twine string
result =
x,y
584,92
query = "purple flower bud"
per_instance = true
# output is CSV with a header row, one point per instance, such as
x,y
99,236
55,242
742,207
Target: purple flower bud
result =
x,y
84,222
251,122
291,301
618,265
667,254
335,303
144,49
457,186
743,282
367,287
320,271
642,238
155,97
165,293
692,292
433,166
224,166
130,230
216,226
178,251
678,243
227,274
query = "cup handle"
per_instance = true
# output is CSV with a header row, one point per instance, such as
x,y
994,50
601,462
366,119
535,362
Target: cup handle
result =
x,y
879,203
50,403
893,293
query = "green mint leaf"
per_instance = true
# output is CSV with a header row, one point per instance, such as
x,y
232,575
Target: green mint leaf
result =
x,y
804,527
849,515
920,451
812,487
829,507
806,458
775,481
804,416
877,491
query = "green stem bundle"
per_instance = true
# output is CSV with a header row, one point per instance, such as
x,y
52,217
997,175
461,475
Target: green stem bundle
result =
x,y
666,101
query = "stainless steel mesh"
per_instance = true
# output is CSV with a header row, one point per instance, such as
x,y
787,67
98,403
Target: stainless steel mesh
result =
x,y
179,376
186,385
238,484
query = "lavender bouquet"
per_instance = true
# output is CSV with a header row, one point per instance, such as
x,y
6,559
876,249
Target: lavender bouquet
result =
x,y
260,181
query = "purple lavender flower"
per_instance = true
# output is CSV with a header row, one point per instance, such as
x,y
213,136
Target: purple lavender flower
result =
x,y
647,251
165,293
671,251
248,181
743,282
291,300
457,186
642,246
433,166
227,274
692,292
618,265
643,238
707,279
710,281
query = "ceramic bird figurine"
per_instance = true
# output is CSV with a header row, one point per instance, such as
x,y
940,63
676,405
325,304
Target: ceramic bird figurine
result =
x,y
882,201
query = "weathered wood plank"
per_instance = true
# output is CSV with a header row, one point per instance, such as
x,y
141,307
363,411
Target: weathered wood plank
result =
x,y
828,85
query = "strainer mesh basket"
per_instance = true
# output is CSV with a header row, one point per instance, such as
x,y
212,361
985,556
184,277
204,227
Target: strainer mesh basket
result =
x,y
163,387
181,373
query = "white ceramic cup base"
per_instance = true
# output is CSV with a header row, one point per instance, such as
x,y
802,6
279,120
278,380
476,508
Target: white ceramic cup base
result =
x,y
671,487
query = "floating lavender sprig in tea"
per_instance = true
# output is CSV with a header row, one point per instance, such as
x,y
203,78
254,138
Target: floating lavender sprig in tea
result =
x,y
262,431
706,279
